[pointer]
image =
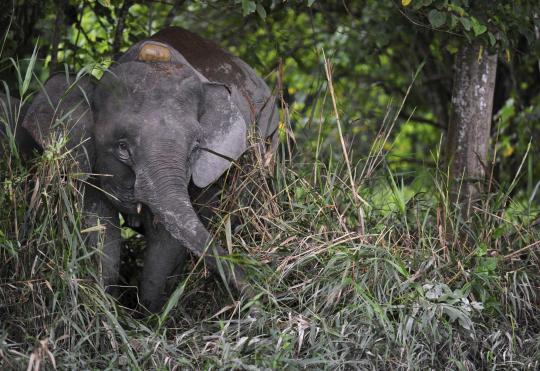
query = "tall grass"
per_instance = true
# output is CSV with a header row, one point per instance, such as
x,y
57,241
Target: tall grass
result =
x,y
404,292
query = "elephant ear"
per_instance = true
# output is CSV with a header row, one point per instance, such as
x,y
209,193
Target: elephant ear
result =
x,y
224,136
62,107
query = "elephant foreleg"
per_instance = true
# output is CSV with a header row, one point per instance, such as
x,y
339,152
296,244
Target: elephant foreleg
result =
x,y
103,225
164,259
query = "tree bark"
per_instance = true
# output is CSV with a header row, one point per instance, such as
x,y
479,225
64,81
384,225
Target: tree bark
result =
x,y
120,24
60,8
470,122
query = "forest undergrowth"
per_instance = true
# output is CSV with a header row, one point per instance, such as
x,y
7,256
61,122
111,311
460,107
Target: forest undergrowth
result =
x,y
387,275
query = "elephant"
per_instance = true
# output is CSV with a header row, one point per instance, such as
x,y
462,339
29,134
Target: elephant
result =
x,y
172,113
10,110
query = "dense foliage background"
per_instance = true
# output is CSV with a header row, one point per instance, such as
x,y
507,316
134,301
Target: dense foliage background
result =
x,y
367,267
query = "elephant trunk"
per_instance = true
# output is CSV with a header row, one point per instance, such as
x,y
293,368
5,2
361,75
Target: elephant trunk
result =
x,y
164,191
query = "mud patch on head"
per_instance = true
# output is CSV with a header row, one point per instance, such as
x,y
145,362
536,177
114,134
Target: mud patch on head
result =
x,y
151,52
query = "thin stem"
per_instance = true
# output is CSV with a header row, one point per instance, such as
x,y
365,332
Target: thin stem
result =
x,y
356,196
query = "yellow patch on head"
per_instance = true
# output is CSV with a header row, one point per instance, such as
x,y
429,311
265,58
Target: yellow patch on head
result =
x,y
154,53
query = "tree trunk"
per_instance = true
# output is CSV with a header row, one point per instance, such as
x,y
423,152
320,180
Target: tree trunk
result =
x,y
120,24
470,122
57,34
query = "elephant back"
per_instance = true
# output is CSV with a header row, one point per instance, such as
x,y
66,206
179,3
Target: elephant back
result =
x,y
217,64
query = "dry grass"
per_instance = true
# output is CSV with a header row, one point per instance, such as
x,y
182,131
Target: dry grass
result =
x,y
400,292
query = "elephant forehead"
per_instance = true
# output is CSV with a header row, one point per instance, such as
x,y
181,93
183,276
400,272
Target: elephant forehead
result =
x,y
147,124
149,79
130,94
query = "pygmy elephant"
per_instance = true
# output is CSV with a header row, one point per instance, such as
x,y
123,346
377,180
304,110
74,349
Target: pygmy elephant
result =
x,y
9,113
174,109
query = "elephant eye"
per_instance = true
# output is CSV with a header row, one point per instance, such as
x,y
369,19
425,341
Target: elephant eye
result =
x,y
122,150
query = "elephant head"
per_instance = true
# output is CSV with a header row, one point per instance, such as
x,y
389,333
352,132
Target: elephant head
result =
x,y
156,126
149,126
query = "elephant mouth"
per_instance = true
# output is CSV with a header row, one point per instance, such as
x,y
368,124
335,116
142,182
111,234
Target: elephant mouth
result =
x,y
123,199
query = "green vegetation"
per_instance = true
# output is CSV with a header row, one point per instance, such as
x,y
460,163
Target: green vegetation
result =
x,y
388,274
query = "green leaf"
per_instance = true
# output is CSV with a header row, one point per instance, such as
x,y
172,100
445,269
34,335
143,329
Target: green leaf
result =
x,y
455,313
500,231
310,2
481,250
436,18
172,302
248,7
457,9
478,28
466,23
29,71
105,3
452,48
406,2
486,265
260,11
453,22
492,39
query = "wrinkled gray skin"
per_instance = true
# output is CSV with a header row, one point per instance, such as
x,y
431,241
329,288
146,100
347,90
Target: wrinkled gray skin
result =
x,y
153,127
